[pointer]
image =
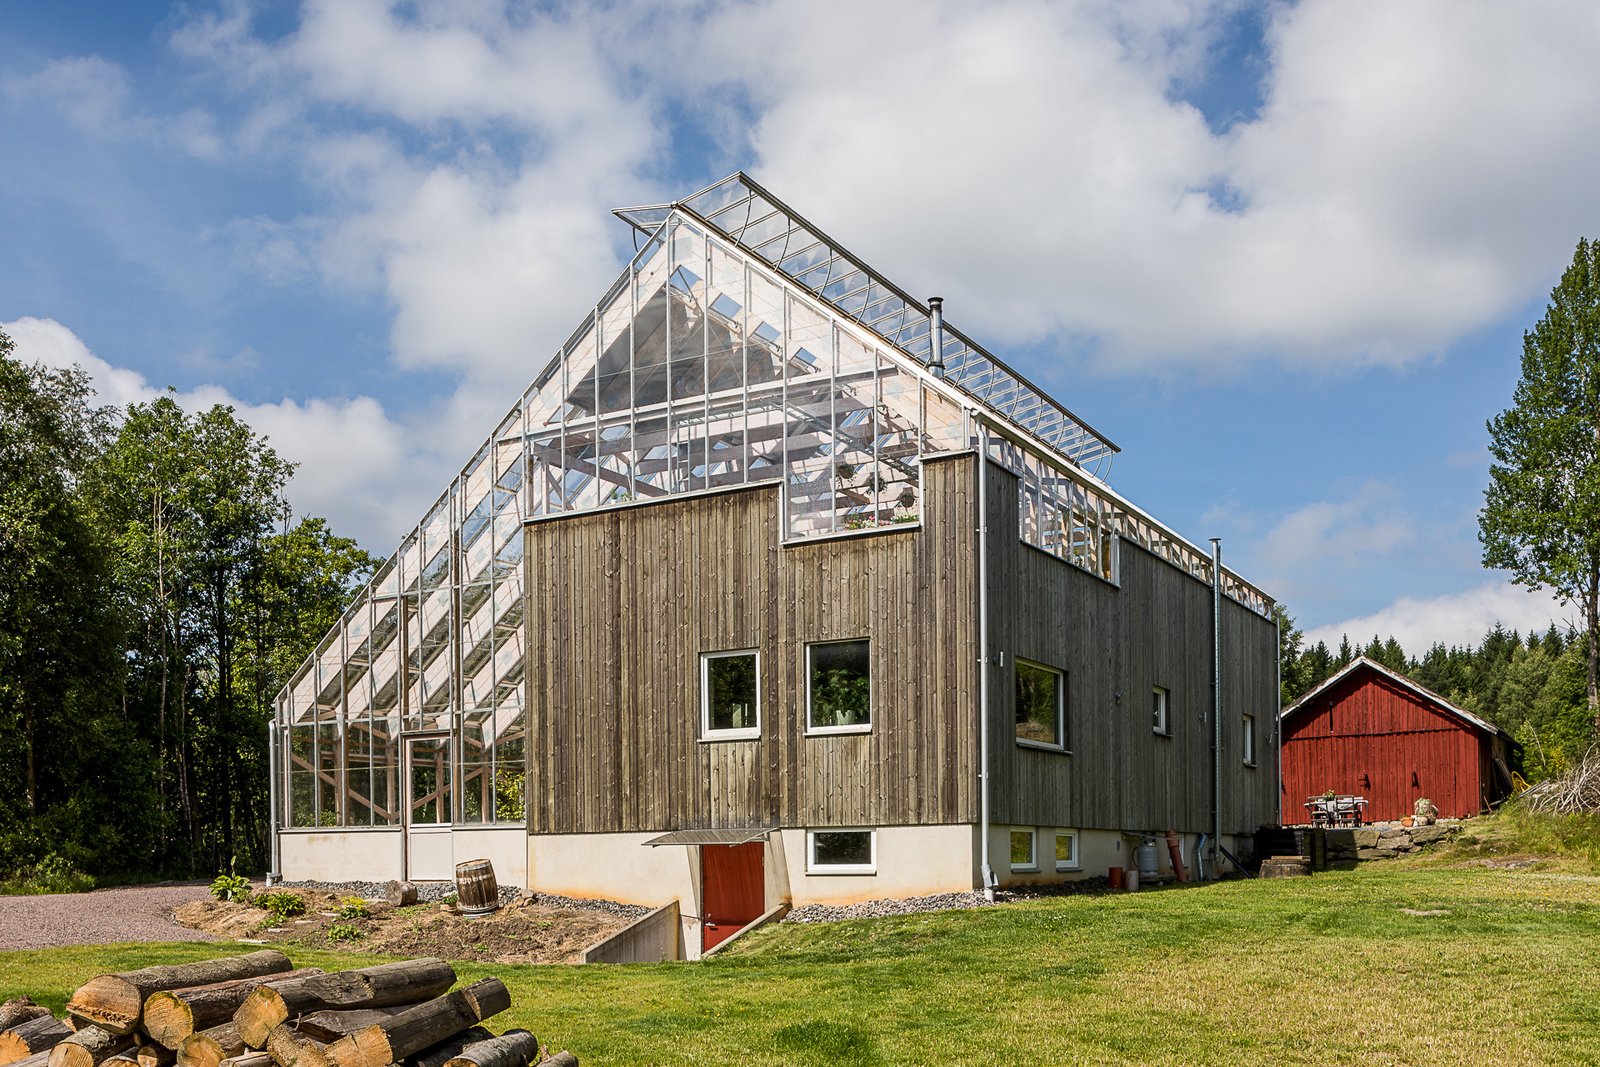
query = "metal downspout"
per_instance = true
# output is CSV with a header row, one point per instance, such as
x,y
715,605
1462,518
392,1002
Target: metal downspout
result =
x,y
1277,736
274,872
1216,706
986,869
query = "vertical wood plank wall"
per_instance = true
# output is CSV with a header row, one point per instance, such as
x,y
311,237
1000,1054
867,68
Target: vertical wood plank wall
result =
x,y
1115,645
622,603
1368,736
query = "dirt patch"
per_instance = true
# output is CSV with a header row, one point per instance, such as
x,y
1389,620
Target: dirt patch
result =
x,y
520,932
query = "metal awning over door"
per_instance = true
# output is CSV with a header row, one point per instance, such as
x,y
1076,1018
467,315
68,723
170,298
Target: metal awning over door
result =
x,y
711,837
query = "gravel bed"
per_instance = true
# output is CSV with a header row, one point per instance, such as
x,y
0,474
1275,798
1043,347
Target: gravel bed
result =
x,y
432,892
127,913
877,909
427,892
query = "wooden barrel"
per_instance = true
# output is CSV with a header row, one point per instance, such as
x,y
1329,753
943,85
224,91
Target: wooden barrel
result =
x,y
476,890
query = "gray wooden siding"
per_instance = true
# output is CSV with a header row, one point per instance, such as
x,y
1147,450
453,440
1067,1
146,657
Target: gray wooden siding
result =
x,y
622,603
1116,645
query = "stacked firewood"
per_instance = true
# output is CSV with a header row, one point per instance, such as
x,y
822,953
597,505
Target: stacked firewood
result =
x,y
258,1010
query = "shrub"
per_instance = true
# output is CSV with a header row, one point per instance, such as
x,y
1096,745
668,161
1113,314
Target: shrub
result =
x,y
344,932
51,873
280,906
231,886
352,908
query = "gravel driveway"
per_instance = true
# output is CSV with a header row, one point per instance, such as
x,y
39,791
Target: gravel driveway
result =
x,y
134,913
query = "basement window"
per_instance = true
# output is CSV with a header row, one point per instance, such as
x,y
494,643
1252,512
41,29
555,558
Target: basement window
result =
x,y
730,695
1249,740
1023,854
842,852
1041,706
1067,851
838,687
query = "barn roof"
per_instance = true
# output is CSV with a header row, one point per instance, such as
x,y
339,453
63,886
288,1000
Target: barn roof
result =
x,y
1401,680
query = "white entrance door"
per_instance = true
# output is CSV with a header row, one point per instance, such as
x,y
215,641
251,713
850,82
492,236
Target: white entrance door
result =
x,y
428,853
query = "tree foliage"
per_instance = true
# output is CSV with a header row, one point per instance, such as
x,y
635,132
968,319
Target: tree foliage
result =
x,y
157,595
1541,513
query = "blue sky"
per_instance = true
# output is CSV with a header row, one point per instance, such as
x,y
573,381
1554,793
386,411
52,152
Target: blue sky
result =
x,y
1281,254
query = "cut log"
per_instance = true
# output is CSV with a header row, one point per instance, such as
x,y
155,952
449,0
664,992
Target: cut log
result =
x,y
88,1047
514,1048
405,982
417,1027
331,1025
446,1050
149,1055
249,1059
20,1010
38,1059
211,1046
173,1014
39,1034
115,1002
289,1049
560,1059
399,894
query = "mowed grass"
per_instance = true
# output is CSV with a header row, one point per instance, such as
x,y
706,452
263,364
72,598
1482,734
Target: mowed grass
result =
x,y
1329,969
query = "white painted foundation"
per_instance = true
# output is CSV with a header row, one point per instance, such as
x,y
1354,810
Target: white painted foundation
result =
x,y
381,854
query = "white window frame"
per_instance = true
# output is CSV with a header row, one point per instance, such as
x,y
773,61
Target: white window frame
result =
x,y
1072,862
1248,729
855,728
1033,849
743,733
813,867
1163,697
1061,708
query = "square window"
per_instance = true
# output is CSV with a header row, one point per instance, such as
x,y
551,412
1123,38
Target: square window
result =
x,y
1041,706
1022,855
842,852
730,695
1249,735
838,687
1067,850
1159,721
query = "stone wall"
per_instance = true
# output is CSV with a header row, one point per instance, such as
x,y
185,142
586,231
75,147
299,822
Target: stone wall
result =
x,y
1342,847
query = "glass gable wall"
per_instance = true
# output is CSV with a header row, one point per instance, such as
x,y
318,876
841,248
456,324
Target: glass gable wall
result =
x,y
701,369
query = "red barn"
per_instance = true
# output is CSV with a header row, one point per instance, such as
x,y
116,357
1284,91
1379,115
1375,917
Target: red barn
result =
x,y
1370,732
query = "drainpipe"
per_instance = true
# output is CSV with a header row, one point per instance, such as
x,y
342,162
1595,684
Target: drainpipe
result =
x,y
274,875
1216,704
1277,706
936,336
983,657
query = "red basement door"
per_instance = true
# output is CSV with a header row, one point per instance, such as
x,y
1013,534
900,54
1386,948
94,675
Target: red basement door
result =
x,y
732,890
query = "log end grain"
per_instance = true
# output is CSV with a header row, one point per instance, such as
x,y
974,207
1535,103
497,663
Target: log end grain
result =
x,y
262,1010
167,1019
110,1002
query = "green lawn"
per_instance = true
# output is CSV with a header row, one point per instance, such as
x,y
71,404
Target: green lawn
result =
x,y
1329,969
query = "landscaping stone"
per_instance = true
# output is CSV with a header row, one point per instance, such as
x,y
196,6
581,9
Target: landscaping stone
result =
x,y
1375,854
1366,838
1427,835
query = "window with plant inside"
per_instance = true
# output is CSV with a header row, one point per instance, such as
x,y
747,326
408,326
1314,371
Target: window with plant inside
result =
x,y
839,687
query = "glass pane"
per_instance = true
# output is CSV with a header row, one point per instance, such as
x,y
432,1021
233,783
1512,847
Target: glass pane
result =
x,y
840,686
477,802
1064,849
430,780
510,766
840,848
302,775
1022,848
1038,704
731,692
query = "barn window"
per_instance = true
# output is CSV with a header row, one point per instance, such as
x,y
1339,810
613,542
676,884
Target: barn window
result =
x,y
1160,722
1023,855
839,687
730,695
1041,706
842,852
1250,740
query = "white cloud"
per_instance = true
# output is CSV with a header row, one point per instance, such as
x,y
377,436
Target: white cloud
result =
x,y
1310,552
366,473
1455,619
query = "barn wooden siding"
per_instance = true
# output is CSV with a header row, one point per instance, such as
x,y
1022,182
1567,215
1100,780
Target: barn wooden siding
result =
x,y
1116,643
622,603
1368,736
